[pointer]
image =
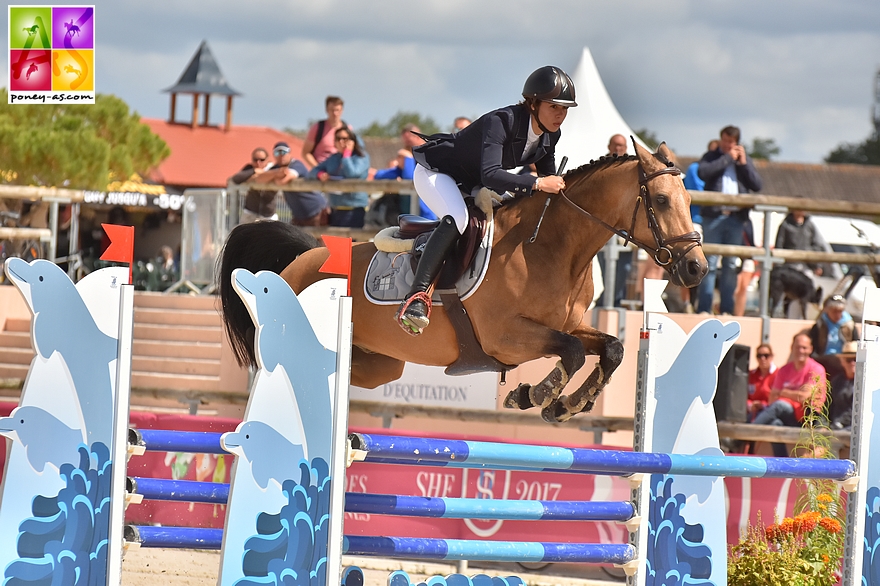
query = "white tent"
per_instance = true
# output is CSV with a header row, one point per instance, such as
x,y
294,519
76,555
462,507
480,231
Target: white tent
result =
x,y
588,127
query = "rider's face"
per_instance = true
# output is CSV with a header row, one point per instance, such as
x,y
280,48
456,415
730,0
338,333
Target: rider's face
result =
x,y
552,115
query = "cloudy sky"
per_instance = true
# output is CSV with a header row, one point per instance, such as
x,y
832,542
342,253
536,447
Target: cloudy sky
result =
x,y
799,71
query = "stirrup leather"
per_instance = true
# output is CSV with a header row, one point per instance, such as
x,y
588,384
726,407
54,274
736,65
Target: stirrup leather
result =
x,y
401,313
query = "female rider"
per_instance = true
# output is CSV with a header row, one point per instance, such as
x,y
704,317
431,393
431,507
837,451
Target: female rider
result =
x,y
452,166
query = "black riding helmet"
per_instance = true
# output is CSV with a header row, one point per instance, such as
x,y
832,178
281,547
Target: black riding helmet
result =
x,y
550,84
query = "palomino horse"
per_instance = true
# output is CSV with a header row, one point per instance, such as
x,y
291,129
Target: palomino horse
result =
x,y
534,297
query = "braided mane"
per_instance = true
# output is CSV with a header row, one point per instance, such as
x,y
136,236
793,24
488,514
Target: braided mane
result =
x,y
601,163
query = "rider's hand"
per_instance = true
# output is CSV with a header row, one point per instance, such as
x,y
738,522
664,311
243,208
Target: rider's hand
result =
x,y
550,184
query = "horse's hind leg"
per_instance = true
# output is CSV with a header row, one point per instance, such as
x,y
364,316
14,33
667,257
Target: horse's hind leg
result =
x,y
371,370
610,352
571,359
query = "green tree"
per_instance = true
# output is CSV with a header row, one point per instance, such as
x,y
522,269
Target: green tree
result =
x,y
81,146
862,153
392,128
649,138
763,148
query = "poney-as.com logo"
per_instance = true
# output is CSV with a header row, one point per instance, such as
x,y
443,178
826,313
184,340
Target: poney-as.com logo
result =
x,y
51,54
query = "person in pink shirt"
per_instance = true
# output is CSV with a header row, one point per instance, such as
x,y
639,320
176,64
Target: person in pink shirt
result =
x,y
797,385
320,141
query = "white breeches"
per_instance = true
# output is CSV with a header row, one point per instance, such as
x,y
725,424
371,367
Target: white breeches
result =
x,y
441,193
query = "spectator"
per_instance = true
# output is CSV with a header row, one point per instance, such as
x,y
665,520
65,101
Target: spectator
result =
x,y
833,328
617,145
403,166
460,123
727,169
319,143
840,410
350,162
797,386
760,381
258,205
309,208
692,182
798,232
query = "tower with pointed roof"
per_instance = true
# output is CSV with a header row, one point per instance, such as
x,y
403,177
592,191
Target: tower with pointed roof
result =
x,y
202,77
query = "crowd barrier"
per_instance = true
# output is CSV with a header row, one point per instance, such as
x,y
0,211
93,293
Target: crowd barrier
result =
x,y
64,487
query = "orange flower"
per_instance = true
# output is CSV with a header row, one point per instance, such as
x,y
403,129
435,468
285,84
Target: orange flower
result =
x,y
787,526
830,525
773,533
824,498
825,558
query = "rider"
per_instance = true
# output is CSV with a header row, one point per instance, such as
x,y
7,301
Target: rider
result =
x,y
452,166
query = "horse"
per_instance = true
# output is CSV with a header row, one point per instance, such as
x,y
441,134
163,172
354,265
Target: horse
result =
x,y
536,291
72,29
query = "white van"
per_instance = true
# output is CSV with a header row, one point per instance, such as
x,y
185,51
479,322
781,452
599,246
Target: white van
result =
x,y
841,235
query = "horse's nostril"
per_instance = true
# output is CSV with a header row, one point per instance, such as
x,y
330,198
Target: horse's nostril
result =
x,y
694,267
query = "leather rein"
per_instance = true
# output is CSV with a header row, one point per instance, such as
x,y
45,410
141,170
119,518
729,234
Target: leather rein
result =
x,y
661,252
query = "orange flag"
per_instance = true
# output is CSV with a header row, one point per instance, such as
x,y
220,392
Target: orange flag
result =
x,y
121,247
339,261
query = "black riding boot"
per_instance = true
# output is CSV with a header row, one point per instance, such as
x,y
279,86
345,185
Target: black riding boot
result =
x,y
413,313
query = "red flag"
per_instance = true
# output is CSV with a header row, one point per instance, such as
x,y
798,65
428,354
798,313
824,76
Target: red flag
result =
x,y
121,247
339,261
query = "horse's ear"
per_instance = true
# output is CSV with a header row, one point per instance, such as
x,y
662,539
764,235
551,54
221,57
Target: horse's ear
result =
x,y
642,153
664,151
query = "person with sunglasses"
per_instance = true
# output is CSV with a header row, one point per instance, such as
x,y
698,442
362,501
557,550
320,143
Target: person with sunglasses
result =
x,y
760,380
452,167
258,205
350,161
833,328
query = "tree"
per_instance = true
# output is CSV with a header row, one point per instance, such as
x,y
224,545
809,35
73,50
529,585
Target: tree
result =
x,y
649,138
392,128
81,146
763,148
862,153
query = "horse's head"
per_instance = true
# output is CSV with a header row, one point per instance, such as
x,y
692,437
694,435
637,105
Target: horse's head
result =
x,y
665,228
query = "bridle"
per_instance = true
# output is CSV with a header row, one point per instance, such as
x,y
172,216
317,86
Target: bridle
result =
x,y
661,252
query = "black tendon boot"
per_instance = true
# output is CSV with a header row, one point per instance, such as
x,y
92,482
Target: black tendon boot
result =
x,y
416,308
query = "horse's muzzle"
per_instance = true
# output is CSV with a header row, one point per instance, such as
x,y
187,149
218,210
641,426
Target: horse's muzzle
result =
x,y
690,268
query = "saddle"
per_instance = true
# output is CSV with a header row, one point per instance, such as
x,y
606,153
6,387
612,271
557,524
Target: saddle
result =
x,y
465,264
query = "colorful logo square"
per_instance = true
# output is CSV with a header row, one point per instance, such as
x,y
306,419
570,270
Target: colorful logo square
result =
x,y
30,70
73,71
30,27
73,27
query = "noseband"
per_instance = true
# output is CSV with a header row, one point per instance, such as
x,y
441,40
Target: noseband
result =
x,y
661,252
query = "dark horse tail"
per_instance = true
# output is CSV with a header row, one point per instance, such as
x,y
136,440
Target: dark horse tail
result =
x,y
260,246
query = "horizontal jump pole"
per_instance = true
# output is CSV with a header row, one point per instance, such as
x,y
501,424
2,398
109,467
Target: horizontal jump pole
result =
x,y
408,547
486,551
469,454
174,537
472,508
163,440
162,489
406,506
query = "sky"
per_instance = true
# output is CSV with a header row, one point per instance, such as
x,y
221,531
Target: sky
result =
x,y
801,72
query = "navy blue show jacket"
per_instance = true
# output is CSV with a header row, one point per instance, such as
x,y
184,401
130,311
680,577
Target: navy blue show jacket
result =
x,y
480,154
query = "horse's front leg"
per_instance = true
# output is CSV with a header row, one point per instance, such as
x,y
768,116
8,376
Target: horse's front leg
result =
x,y
610,352
524,339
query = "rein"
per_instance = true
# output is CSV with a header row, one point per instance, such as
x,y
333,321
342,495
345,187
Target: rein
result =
x,y
661,252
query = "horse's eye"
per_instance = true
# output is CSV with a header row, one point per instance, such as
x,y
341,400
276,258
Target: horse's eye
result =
x,y
662,200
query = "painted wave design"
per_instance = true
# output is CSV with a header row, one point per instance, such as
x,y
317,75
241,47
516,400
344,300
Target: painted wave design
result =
x,y
676,554
65,542
871,557
290,548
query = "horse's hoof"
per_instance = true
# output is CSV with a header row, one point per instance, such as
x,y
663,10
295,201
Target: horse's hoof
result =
x,y
555,412
518,398
548,389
